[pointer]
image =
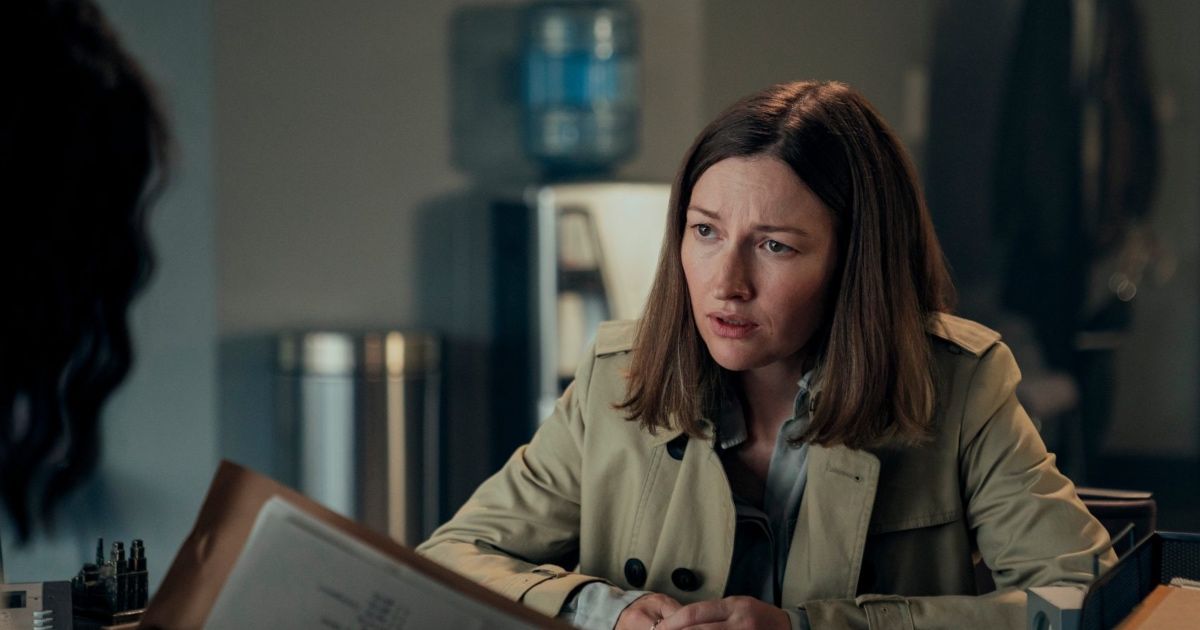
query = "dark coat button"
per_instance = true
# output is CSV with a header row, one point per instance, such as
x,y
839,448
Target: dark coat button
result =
x,y
635,573
685,580
676,447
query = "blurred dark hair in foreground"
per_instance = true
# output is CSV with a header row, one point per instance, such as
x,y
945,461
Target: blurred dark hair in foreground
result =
x,y
82,156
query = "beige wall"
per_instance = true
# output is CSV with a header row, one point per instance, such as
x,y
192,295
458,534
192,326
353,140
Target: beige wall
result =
x,y
874,46
333,124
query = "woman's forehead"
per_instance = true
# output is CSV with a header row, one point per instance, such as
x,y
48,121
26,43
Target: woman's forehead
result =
x,y
762,186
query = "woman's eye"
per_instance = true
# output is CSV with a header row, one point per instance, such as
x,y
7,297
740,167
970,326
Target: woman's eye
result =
x,y
775,247
703,230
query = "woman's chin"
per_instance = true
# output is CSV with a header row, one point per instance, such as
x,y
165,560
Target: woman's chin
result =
x,y
734,361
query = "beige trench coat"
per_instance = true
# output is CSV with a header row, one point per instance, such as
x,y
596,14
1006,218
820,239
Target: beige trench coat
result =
x,y
884,539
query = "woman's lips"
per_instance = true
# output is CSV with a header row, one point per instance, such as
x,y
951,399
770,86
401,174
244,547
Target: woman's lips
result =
x,y
731,327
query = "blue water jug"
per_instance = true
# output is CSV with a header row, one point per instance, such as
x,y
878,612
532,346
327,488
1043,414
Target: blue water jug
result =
x,y
579,86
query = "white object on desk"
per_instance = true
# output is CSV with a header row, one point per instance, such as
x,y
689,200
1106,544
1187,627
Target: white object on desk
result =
x,y
1054,607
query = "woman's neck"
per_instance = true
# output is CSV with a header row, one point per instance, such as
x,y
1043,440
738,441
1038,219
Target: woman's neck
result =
x,y
768,396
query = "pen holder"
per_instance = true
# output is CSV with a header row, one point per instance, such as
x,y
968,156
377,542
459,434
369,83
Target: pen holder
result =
x,y
113,590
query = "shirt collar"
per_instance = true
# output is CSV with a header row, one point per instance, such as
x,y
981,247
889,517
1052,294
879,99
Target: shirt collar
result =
x,y
731,423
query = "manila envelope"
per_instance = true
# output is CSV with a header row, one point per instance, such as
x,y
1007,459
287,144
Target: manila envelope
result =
x,y
234,499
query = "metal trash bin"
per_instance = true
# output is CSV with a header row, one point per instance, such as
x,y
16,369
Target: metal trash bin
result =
x,y
358,425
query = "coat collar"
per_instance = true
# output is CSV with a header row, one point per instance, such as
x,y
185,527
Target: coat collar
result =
x,y
831,531
662,436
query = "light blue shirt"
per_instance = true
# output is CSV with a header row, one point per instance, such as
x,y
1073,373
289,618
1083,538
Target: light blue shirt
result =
x,y
763,535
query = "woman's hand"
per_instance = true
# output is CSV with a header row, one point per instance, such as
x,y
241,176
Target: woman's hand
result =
x,y
730,612
646,611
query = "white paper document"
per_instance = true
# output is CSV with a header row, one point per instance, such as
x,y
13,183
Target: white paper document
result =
x,y
297,572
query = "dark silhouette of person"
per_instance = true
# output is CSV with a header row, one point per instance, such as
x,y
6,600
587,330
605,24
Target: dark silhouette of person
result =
x,y
83,154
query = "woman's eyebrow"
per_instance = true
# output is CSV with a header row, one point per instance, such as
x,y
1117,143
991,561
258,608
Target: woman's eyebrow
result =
x,y
782,228
761,227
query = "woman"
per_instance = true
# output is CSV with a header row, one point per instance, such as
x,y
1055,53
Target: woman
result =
x,y
797,432
82,156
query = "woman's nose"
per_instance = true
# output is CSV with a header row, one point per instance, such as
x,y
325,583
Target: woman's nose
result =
x,y
732,278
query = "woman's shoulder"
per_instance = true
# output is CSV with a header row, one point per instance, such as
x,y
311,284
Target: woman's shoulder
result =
x,y
977,371
615,337
604,368
959,335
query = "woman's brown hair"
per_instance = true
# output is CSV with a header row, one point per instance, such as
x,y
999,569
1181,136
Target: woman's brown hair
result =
x,y
874,363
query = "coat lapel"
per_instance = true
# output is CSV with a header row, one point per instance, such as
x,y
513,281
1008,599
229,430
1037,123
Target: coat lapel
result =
x,y
692,494
831,529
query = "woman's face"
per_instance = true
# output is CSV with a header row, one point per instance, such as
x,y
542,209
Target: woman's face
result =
x,y
759,253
